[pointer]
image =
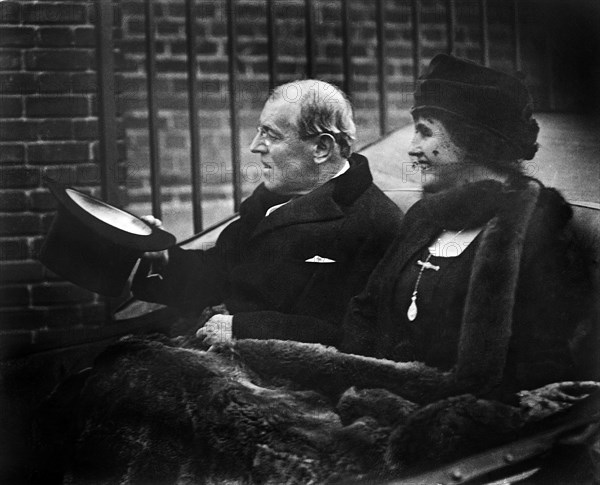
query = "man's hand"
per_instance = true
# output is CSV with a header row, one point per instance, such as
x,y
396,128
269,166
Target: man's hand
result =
x,y
218,329
159,259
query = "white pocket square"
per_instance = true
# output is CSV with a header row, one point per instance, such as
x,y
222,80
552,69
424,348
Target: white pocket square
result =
x,y
319,259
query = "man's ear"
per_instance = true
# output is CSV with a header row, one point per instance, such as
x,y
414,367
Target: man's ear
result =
x,y
324,147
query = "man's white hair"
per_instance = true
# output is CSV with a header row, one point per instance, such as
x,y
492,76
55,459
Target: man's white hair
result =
x,y
323,109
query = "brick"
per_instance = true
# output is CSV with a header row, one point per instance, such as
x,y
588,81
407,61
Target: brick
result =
x,y
14,296
21,272
207,48
166,27
57,293
85,129
21,177
58,60
17,83
55,130
20,319
173,65
214,66
10,13
88,174
250,12
66,175
17,37
85,36
41,201
10,60
61,13
56,106
35,246
94,106
19,224
47,220
13,201
57,152
17,130
55,37
12,153
13,249
135,26
62,317
84,82
11,107
53,83
136,45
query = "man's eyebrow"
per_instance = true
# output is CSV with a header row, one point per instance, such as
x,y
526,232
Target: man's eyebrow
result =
x,y
270,127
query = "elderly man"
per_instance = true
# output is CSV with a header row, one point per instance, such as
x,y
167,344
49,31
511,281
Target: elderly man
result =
x,y
307,238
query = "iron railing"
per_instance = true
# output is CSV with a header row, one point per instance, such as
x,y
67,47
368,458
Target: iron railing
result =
x,y
107,112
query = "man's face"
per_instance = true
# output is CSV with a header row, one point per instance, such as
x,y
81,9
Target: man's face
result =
x,y
443,164
288,162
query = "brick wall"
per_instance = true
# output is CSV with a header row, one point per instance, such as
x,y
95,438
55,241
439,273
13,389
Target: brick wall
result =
x,y
48,126
252,67
48,122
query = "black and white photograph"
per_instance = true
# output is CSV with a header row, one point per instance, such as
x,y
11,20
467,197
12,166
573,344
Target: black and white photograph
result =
x,y
299,242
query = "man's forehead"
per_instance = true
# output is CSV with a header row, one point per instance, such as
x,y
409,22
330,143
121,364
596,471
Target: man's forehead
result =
x,y
280,112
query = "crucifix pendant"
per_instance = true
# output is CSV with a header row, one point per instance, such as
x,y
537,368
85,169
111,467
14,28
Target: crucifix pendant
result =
x,y
412,309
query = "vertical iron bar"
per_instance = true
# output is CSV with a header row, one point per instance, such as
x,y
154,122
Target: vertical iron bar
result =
x,y
346,56
310,38
485,32
233,120
381,77
192,68
550,73
416,39
152,110
271,42
450,25
107,112
517,36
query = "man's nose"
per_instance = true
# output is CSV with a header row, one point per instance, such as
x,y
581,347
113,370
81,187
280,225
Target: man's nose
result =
x,y
258,144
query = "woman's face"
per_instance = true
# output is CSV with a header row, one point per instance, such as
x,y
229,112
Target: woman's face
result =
x,y
443,164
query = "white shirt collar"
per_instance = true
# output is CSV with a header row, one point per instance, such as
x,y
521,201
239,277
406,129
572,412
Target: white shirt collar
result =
x,y
343,170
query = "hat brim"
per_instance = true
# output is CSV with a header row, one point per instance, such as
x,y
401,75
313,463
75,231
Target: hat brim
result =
x,y
119,226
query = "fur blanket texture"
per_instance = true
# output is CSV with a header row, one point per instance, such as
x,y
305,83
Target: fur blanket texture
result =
x,y
265,411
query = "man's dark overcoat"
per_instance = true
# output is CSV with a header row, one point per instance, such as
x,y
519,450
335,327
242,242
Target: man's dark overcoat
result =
x,y
289,275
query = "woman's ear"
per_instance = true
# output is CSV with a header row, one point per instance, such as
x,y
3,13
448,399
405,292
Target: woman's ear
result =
x,y
324,147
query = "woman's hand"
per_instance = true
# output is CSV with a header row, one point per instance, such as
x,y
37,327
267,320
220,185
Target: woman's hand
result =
x,y
159,259
218,329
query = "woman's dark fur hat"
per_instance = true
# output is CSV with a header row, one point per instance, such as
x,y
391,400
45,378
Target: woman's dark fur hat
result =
x,y
484,97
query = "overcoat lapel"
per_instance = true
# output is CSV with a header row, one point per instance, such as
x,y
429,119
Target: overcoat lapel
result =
x,y
313,207
324,203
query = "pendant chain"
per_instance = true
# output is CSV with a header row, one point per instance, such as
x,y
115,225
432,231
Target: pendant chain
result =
x,y
412,309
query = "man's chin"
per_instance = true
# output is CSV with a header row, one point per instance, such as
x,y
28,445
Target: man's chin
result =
x,y
275,188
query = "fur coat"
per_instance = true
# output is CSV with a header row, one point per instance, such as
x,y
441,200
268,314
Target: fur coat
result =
x,y
263,411
529,292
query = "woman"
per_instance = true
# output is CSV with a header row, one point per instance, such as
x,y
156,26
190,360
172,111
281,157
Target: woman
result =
x,y
482,283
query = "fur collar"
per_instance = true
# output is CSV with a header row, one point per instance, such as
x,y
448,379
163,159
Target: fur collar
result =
x,y
487,319
467,206
488,316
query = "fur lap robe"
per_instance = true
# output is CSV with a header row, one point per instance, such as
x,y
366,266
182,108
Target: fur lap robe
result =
x,y
258,411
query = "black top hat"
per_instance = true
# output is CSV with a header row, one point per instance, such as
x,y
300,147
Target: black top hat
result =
x,y
94,244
